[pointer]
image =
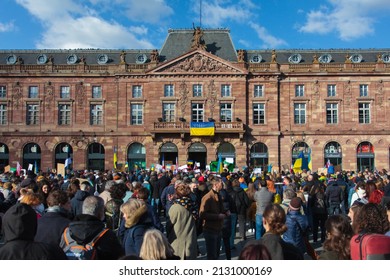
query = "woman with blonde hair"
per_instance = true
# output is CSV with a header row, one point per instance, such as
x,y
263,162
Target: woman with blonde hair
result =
x,y
156,247
134,225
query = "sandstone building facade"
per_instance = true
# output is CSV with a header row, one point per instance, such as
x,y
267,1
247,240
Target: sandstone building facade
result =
x,y
266,105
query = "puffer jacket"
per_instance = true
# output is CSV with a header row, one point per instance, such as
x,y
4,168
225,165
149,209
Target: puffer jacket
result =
x,y
297,225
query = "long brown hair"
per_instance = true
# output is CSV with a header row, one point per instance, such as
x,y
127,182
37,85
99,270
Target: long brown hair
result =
x,y
275,216
339,234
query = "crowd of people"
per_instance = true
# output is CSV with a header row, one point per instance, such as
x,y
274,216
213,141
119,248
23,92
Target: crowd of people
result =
x,y
159,214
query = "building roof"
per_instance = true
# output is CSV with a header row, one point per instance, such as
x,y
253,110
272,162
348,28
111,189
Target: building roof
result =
x,y
217,41
179,41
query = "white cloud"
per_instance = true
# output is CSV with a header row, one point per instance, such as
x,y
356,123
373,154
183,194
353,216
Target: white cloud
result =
x,y
69,25
6,27
269,41
218,13
90,32
350,19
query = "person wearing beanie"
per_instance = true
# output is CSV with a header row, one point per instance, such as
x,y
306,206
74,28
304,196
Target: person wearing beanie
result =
x,y
20,227
297,225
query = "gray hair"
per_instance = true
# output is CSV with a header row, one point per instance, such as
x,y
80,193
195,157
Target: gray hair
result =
x,y
94,205
289,193
109,184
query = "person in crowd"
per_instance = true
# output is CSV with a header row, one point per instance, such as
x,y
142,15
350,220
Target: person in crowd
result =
x,y
55,219
241,200
112,207
254,251
135,223
155,246
106,194
274,222
338,235
77,201
29,197
143,194
297,225
288,194
318,209
44,188
372,218
334,197
19,228
85,227
251,212
212,214
263,198
228,203
181,228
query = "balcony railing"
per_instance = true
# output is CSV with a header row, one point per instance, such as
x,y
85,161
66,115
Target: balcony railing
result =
x,y
184,127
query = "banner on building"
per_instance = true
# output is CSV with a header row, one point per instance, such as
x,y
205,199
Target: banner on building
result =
x,y
202,129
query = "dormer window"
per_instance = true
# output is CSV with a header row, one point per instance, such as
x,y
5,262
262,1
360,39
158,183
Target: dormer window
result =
x,y
102,59
325,58
256,58
356,58
41,59
295,58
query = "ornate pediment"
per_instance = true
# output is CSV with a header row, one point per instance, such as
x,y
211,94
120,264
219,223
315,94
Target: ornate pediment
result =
x,y
198,62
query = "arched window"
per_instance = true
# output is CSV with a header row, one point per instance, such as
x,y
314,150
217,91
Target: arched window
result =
x,y
136,156
259,156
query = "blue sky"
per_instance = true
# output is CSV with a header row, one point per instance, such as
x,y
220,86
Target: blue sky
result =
x,y
143,24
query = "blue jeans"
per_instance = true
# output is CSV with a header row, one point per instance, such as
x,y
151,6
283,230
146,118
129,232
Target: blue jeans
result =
x,y
334,208
213,244
155,204
259,230
233,231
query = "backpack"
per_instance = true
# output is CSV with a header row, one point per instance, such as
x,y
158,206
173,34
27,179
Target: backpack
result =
x,y
75,251
370,247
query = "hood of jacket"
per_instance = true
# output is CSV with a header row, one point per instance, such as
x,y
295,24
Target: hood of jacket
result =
x,y
20,223
84,228
140,216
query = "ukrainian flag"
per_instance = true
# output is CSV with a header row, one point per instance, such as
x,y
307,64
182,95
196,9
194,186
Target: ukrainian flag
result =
x,y
300,163
115,159
202,129
310,165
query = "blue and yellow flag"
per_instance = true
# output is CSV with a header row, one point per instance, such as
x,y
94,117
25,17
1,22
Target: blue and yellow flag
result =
x,y
300,163
202,129
310,165
115,158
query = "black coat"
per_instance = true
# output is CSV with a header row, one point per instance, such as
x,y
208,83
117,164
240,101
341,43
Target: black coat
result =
x,y
51,226
240,199
19,228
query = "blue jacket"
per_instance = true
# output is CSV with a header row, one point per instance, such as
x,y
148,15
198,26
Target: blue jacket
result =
x,y
295,232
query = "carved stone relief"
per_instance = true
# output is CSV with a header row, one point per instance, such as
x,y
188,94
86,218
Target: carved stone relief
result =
x,y
200,63
183,99
17,95
49,96
80,96
212,96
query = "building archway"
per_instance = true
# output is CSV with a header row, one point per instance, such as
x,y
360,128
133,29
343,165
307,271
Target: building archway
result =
x,y
227,153
333,154
259,156
365,156
136,156
296,151
32,156
168,154
95,157
4,157
197,152
63,151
